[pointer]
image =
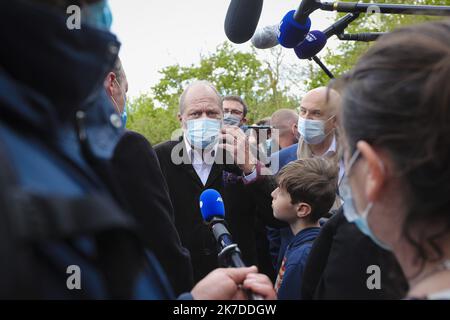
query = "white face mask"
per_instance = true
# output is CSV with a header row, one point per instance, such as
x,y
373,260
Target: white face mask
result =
x,y
312,131
202,133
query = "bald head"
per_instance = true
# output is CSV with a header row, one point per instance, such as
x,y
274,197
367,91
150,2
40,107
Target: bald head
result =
x,y
320,104
199,90
200,100
285,122
283,118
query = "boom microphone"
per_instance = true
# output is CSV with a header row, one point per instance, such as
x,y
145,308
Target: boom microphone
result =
x,y
358,7
316,40
241,19
296,24
291,32
313,43
213,212
266,37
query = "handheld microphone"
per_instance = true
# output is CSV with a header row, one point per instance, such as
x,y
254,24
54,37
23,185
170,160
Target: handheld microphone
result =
x,y
241,19
213,212
266,37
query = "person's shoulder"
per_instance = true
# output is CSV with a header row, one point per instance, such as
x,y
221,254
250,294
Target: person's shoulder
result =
x,y
289,153
299,255
284,156
133,136
302,243
166,146
336,220
287,150
129,134
290,149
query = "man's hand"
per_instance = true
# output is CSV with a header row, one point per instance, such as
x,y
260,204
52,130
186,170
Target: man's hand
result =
x,y
260,284
229,284
234,141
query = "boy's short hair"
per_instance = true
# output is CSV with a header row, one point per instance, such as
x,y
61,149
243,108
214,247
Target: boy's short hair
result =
x,y
313,181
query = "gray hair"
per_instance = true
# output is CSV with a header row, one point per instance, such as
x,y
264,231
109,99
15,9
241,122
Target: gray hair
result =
x,y
198,83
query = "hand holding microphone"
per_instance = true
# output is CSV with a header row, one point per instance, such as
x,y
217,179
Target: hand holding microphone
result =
x,y
246,280
233,284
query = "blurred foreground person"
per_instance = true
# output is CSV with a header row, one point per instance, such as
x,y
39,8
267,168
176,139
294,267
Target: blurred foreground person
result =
x,y
396,122
63,235
136,168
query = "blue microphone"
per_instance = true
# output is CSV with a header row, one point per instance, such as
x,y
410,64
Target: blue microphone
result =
x,y
211,205
313,43
213,212
296,24
292,32
316,40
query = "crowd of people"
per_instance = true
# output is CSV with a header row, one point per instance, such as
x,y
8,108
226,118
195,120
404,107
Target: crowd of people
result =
x,y
351,204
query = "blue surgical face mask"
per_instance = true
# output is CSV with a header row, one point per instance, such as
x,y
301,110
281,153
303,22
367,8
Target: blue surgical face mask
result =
x,y
123,114
312,131
231,120
203,133
350,211
97,15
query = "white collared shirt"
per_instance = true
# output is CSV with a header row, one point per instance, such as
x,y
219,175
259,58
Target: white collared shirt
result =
x,y
330,152
202,163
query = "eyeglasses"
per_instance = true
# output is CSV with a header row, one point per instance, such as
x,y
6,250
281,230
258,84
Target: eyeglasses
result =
x,y
233,112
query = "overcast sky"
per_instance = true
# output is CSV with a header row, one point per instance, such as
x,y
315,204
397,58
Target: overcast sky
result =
x,y
158,33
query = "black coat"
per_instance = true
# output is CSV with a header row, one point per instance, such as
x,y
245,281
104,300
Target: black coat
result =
x,y
241,206
146,196
338,261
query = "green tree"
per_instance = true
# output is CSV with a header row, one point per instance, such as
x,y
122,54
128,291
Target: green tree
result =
x,y
258,82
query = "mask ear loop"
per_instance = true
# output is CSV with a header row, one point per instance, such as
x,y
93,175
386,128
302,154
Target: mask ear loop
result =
x,y
352,160
112,98
116,105
334,129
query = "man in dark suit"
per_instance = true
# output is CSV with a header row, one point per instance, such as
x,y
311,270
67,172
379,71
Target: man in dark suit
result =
x,y
194,163
144,193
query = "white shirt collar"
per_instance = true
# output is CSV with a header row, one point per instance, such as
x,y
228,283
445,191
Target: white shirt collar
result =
x,y
332,148
196,155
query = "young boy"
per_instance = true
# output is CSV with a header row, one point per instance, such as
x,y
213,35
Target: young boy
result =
x,y
306,192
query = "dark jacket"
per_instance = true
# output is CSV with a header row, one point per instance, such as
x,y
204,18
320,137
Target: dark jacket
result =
x,y
56,140
137,169
284,156
241,207
295,257
338,262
